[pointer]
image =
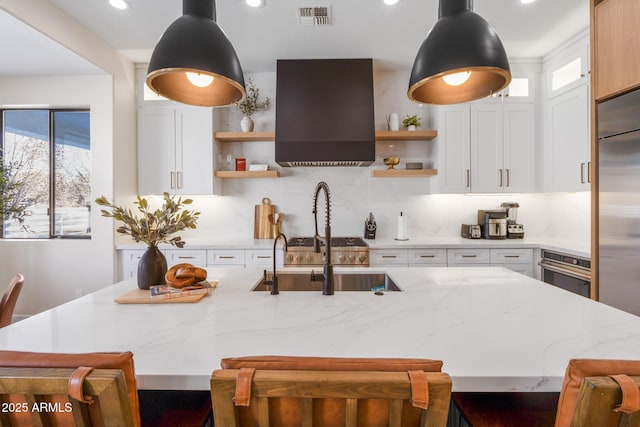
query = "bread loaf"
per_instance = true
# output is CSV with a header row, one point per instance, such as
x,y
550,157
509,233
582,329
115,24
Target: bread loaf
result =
x,y
183,275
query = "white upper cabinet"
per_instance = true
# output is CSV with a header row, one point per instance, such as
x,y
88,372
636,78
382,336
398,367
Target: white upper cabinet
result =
x,y
175,150
502,148
454,161
568,67
175,144
567,165
487,147
521,89
567,156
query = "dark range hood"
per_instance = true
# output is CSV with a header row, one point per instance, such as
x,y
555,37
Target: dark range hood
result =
x,y
324,112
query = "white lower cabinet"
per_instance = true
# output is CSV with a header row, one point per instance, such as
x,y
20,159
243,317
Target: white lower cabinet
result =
x,y
258,257
129,263
226,257
462,257
388,257
197,257
519,260
516,259
428,257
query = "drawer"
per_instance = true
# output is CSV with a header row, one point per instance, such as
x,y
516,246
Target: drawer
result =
x,y
388,257
468,256
259,257
428,256
197,257
225,257
511,256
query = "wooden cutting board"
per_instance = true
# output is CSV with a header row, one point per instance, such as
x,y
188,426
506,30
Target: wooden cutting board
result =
x,y
263,227
141,296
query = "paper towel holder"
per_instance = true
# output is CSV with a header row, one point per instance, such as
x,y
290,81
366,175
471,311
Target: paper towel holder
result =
x,y
402,228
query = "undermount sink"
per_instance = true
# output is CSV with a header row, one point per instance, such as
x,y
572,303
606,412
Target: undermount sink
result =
x,y
342,282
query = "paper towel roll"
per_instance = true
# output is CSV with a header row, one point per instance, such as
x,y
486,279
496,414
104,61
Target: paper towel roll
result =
x,y
402,227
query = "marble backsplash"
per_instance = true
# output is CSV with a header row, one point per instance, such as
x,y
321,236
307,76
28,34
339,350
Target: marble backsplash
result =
x,y
355,193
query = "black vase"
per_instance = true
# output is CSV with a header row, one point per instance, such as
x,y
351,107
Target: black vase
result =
x,y
151,268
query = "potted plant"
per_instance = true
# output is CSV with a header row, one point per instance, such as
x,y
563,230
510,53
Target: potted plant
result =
x,y
153,227
411,122
251,105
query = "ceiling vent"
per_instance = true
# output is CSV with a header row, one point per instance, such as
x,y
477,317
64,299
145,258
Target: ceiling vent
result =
x,y
314,15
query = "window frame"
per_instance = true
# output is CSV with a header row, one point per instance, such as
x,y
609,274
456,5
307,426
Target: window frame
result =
x,y
51,209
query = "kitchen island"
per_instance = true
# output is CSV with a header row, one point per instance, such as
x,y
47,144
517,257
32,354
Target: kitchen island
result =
x,y
495,330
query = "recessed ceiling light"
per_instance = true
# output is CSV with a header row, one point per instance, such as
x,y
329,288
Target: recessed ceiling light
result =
x,y
255,3
527,1
391,2
119,4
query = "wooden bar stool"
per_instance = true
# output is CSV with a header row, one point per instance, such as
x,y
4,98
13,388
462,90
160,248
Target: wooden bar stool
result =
x,y
277,391
581,400
9,300
81,397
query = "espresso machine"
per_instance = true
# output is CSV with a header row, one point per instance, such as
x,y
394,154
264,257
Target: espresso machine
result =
x,y
493,223
514,230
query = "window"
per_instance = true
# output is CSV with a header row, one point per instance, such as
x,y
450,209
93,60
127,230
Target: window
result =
x,y
519,87
45,173
566,74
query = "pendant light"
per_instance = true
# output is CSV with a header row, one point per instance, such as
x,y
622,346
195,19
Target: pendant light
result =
x,y
194,61
461,59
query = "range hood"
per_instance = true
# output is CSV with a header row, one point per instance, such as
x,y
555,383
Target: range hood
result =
x,y
324,112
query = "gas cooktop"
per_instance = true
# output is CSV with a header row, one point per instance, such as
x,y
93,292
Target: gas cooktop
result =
x,y
336,242
345,251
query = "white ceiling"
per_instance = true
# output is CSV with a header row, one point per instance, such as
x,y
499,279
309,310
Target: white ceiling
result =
x,y
360,28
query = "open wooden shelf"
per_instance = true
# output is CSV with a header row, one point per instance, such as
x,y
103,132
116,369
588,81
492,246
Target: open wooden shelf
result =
x,y
405,135
403,173
247,174
244,136
381,135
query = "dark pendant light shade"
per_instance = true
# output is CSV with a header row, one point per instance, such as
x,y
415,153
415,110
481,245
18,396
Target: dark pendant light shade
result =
x,y
460,41
194,43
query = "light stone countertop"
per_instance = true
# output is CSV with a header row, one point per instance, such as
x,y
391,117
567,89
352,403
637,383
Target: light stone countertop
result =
x,y
579,248
495,330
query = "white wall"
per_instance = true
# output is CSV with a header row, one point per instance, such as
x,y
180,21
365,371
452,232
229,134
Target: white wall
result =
x,y
56,269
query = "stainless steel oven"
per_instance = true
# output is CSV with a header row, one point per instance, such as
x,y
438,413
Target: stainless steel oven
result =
x,y
568,272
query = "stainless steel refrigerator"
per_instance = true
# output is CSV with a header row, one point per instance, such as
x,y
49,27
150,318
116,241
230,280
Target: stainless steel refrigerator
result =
x,y
619,202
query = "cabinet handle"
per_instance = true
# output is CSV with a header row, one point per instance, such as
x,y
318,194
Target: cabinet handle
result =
x,y
389,256
226,257
171,179
469,256
468,178
508,177
263,257
589,172
500,178
178,180
581,173
512,256
185,257
427,256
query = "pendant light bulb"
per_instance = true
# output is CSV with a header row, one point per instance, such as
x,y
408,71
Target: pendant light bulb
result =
x,y
456,79
198,79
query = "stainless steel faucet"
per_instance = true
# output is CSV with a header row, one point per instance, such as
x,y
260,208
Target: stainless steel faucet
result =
x,y
274,278
327,277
